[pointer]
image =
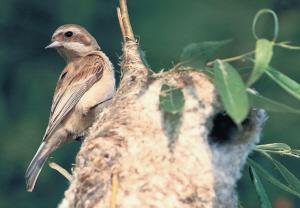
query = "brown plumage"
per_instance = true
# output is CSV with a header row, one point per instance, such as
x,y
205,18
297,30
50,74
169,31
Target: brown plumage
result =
x,y
84,87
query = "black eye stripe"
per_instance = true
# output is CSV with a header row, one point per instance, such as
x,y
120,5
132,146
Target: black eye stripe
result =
x,y
69,34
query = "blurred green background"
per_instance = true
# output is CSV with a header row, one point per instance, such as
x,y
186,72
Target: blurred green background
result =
x,y
28,75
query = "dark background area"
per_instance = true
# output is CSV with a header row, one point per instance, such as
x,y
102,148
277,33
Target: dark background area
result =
x,y
28,75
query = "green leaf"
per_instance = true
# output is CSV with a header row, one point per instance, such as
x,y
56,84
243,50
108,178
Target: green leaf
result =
x,y
171,99
290,178
260,170
263,56
240,205
232,91
198,54
276,24
259,101
245,70
296,152
289,85
263,197
274,147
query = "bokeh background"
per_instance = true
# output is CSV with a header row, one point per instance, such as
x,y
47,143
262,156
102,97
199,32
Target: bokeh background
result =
x,y
28,75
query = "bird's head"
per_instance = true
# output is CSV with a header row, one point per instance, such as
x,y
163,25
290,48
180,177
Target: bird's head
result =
x,y
73,41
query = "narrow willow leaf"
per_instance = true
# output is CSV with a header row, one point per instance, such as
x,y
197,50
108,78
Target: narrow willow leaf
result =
x,y
276,24
171,99
263,56
198,54
260,170
232,91
245,70
240,205
290,178
274,147
296,152
281,149
289,85
263,197
259,101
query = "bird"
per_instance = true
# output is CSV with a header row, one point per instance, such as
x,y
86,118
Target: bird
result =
x,y
85,86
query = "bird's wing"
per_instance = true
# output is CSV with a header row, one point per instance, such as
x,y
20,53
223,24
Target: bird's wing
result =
x,y
70,89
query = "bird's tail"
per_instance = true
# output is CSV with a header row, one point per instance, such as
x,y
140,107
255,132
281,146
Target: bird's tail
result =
x,y
36,166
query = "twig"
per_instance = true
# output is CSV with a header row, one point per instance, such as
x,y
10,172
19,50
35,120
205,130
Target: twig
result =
x,y
61,170
132,59
120,18
124,20
114,184
285,44
232,58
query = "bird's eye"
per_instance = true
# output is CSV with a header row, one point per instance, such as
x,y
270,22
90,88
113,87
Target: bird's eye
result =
x,y
69,34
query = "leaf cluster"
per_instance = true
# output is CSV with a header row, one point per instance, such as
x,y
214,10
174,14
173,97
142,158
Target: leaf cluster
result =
x,y
234,86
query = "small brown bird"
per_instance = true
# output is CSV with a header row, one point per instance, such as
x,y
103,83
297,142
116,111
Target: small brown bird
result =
x,y
85,86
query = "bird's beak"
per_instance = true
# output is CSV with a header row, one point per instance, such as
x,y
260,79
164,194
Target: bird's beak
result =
x,y
55,44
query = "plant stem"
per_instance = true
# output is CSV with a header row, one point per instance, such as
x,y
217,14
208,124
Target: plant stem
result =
x,y
235,58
